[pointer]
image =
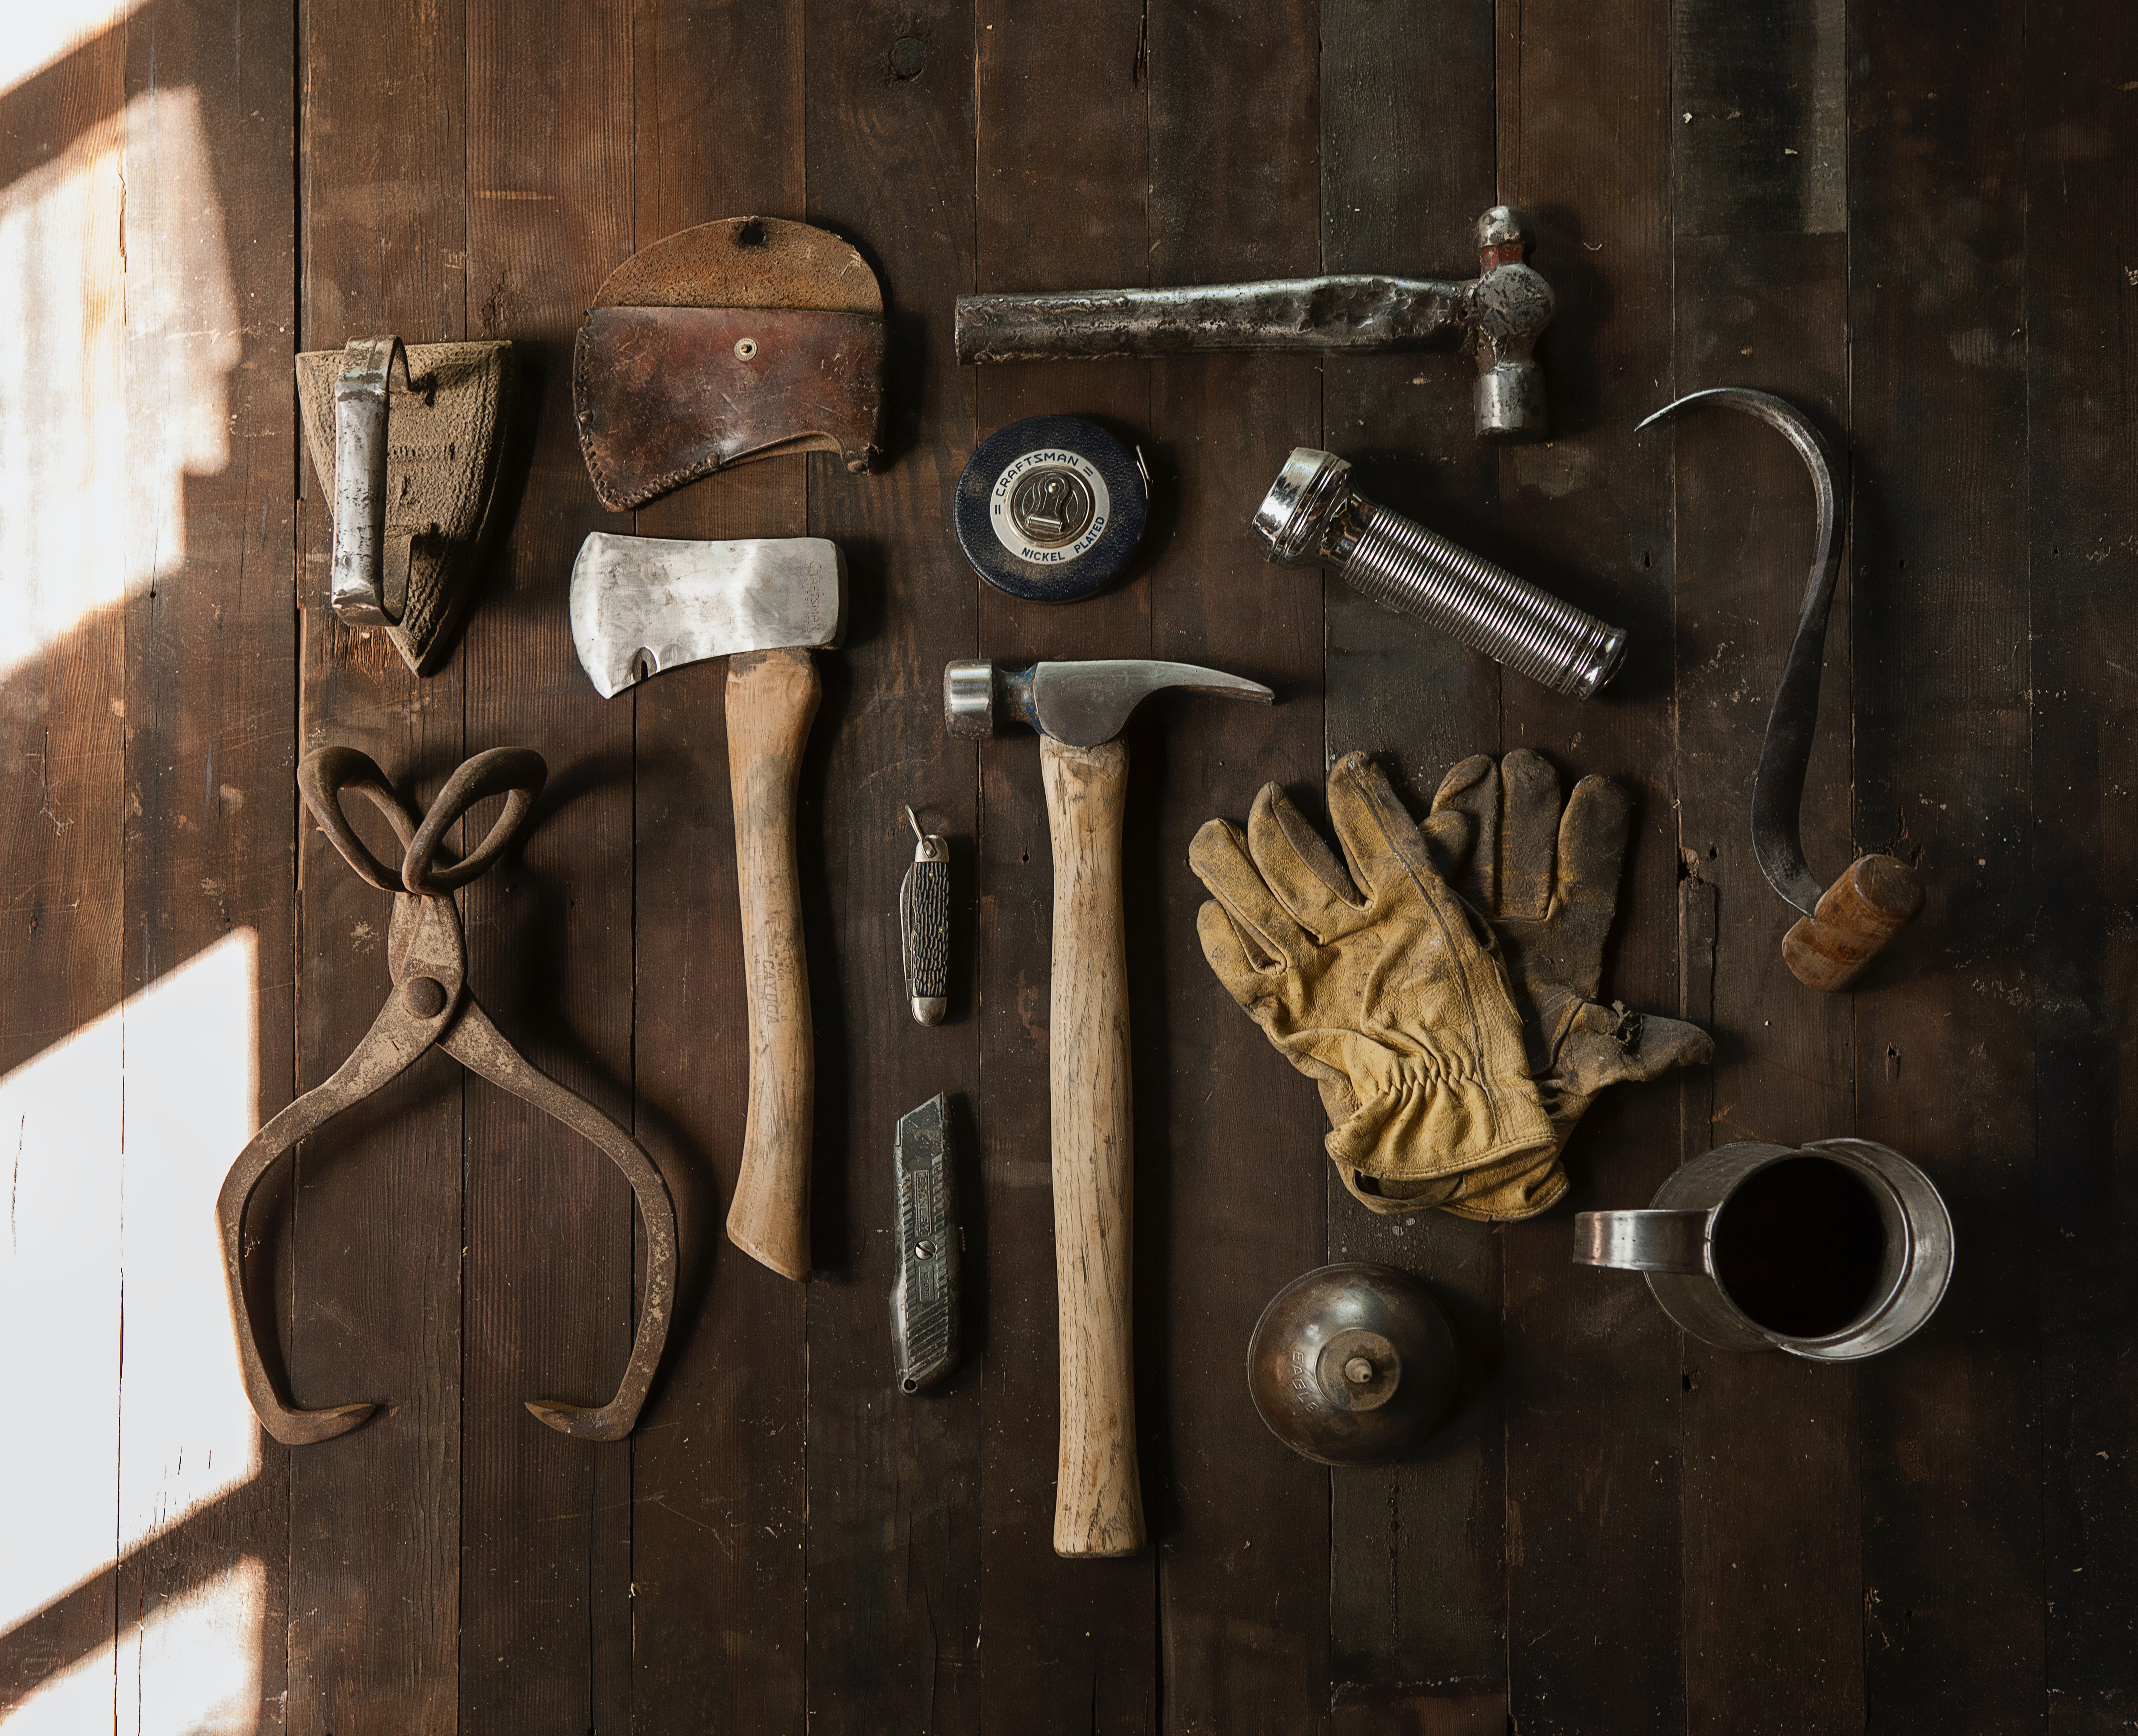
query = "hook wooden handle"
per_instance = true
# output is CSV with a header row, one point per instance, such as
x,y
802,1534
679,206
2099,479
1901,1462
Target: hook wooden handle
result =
x,y
772,696
1098,1500
1857,915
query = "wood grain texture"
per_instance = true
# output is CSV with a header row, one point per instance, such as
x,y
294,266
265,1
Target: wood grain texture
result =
x,y
2081,364
375,1561
772,697
1070,1646
1591,1365
1098,1497
1772,1597
1912,221
210,697
549,1232
1229,1182
1951,1510
896,1548
63,764
716,1556
1417,1552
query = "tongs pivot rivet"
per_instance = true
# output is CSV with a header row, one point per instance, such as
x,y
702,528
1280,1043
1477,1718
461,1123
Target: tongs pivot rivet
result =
x,y
423,996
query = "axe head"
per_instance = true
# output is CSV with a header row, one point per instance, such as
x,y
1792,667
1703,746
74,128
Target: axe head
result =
x,y
641,604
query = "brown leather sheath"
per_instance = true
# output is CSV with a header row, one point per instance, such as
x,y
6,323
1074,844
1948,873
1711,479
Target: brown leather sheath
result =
x,y
738,340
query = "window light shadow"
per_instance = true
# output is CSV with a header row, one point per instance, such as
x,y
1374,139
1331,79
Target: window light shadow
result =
x,y
119,329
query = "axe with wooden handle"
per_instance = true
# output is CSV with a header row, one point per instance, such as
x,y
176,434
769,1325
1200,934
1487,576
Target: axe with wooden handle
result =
x,y
643,604
1078,708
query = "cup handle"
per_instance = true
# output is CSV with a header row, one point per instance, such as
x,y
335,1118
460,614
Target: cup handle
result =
x,y
1642,1242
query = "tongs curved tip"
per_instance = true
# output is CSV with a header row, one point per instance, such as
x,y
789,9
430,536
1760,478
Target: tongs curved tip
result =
x,y
584,1423
305,1428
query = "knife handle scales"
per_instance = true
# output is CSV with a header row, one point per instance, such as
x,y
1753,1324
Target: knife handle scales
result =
x,y
924,927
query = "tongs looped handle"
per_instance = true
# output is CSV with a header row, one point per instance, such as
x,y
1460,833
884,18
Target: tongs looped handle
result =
x,y
322,775
516,773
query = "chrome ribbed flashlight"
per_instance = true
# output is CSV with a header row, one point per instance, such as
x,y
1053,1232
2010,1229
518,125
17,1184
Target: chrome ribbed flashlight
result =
x,y
1311,515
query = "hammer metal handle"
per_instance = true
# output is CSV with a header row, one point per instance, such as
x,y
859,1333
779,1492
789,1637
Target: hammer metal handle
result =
x,y
772,696
1098,1506
1359,313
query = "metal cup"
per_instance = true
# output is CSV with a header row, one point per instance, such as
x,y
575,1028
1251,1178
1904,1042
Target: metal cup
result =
x,y
1672,1244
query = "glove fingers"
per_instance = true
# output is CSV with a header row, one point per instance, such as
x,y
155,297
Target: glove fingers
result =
x,y
1381,841
1529,836
1667,1043
1472,790
1607,1046
1591,845
1249,981
1218,854
1298,866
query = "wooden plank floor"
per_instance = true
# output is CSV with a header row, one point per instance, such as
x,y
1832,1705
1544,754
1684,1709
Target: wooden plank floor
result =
x,y
1916,220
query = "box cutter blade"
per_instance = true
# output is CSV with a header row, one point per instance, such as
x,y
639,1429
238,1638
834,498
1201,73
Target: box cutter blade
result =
x,y
923,1304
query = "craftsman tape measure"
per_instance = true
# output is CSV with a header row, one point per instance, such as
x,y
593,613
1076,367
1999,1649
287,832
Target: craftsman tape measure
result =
x,y
1050,509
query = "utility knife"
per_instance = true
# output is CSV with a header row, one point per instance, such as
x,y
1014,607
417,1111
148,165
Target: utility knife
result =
x,y
924,1305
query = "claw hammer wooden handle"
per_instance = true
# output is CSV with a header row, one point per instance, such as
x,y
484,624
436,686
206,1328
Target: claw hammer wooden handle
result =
x,y
1098,1503
772,696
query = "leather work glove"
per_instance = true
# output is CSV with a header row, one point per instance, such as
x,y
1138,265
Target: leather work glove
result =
x,y
1548,882
1379,984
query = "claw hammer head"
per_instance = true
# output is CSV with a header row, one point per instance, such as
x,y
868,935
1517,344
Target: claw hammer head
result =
x,y
1079,704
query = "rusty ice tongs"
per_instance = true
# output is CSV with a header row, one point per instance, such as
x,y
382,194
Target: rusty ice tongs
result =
x,y
430,1005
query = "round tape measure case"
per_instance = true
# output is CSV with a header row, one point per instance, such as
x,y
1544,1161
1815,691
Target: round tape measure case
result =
x,y
1050,509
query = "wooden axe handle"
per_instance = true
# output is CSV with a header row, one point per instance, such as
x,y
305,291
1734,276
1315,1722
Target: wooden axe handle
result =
x,y
1857,915
1098,1502
772,696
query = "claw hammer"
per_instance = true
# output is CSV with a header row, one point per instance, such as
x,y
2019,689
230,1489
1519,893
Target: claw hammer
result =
x,y
1078,710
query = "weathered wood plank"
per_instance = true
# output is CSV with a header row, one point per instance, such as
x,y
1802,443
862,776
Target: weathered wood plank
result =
x,y
1591,1364
374,1551
1070,1645
894,1497
1417,1552
1949,1427
1772,1609
62,791
718,1503
1232,1189
1785,1068
208,919
2081,365
545,1525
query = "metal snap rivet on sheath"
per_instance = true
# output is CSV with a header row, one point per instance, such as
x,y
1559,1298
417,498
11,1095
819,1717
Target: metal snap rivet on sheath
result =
x,y
423,996
746,347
